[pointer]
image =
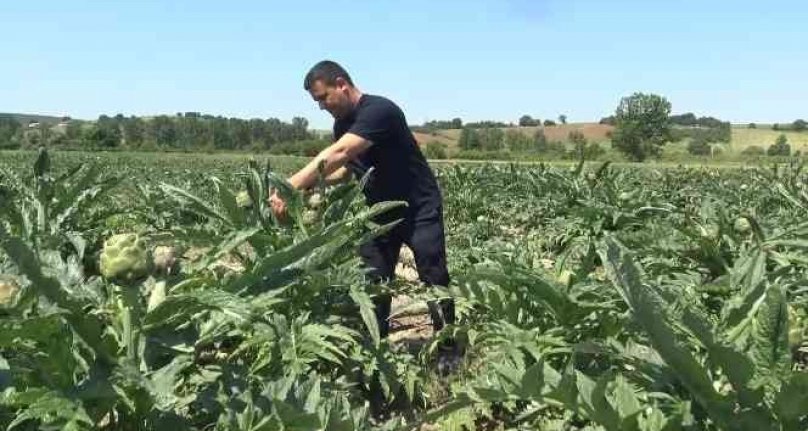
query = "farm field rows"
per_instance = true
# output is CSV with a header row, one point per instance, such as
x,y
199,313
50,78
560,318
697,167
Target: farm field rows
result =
x,y
142,291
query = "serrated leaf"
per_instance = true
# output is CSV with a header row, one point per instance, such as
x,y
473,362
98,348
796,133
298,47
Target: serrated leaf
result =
x,y
227,246
769,349
625,399
181,308
227,200
197,204
48,407
294,418
792,400
537,288
649,310
736,365
88,327
594,403
313,397
368,312
163,382
532,382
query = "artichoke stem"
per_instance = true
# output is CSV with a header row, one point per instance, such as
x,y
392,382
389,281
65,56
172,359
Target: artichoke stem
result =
x,y
130,314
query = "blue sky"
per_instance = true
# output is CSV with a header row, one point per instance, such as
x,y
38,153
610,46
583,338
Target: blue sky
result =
x,y
737,60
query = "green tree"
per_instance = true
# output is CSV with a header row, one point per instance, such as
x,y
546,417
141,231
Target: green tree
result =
x,y
435,150
753,150
562,119
642,125
300,127
161,132
698,146
528,121
469,139
240,130
107,133
222,139
610,120
38,136
799,125
752,126
9,130
103,135
540,141
780,147
134,131
492,139
190,131
73,134
457,123
593,150
517,141
578,140
258,138
582,147
549,123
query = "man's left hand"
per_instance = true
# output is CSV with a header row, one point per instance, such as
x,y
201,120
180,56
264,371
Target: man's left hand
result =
x,y
278,206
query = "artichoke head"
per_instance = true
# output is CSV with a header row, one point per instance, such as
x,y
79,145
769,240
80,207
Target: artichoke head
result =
x,y
125,259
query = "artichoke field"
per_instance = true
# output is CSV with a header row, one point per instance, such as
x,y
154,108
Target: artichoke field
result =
x,y
139,294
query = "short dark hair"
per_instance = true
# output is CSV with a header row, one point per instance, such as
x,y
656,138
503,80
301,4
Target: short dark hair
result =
x,y
327,71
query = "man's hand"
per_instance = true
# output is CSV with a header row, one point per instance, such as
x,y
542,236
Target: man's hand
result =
x,y
278,205
341,175
334,158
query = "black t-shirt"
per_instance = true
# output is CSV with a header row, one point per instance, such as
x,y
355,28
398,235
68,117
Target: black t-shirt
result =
x,y
400,170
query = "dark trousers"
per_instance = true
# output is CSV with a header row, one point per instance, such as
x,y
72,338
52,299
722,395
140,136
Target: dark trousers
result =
x,y
424,235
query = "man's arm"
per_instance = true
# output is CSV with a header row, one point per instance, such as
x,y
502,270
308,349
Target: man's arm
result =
x,y
334,158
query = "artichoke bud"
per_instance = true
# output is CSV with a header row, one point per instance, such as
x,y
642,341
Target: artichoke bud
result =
x,y
566,277
125,259
8,292
309,217
243,199
165,259
315,201
742,225
709,232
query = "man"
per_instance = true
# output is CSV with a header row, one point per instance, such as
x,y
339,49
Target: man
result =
x,y
371,131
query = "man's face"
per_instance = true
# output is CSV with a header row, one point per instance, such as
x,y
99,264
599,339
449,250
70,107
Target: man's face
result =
x,y
332,98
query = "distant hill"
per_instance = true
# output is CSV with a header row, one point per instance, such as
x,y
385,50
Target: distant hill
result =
x,y
593,132
29,118
744,137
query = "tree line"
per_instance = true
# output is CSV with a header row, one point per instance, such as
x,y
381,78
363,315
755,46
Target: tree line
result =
x,y
642,125
190,131
494,139
798,125
457,123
